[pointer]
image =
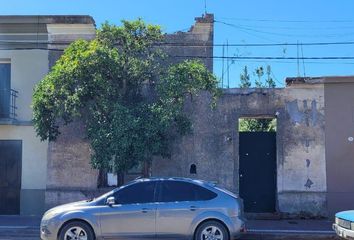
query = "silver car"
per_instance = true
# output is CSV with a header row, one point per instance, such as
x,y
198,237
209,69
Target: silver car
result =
x,y
154,208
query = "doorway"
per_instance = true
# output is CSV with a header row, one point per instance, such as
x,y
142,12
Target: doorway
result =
x,y
257,166
10,176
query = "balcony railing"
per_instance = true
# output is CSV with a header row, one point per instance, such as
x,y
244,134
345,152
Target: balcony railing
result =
x,y
8,104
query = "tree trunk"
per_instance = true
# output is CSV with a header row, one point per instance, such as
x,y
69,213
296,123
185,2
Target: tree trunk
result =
x,y
120,179
102,180
147,169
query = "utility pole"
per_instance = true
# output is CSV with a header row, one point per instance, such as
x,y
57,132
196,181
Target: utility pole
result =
x,y
303,60
297,60
228,65
223,66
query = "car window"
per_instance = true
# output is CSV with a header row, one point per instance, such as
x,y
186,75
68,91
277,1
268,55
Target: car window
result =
x,y
142,192
176,191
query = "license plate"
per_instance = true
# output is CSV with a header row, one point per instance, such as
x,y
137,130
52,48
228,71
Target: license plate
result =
x,y
344,223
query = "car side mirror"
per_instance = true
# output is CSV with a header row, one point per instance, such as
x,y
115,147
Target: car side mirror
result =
x,y
110,201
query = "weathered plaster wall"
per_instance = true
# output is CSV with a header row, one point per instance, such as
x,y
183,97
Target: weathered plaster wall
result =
x,y
197,43
214,146
69,169
70,176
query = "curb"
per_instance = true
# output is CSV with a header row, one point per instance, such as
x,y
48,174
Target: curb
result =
x,y
288,234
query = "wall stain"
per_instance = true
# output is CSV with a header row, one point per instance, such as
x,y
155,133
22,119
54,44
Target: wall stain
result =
x,y
295,114
308,162
309,116
314,113
308,183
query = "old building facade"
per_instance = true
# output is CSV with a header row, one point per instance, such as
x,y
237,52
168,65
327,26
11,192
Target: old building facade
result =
x,y
25,58
314,145
69,174
305,166
299,159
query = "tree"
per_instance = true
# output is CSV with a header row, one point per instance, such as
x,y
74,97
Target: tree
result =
x,y
108,83
254,124
245,81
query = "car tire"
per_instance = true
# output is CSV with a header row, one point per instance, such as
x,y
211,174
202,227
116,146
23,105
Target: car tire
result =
x,y
213,229
76,229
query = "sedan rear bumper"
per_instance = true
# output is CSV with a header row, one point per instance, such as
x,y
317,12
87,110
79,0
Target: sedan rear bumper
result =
x,y
239,227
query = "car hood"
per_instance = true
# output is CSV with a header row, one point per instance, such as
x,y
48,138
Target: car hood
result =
x,y
65,207
346,215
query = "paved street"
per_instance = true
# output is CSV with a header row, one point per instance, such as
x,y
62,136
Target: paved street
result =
x,y
27,228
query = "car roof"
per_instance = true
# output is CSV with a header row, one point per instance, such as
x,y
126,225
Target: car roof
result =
x,y
197,181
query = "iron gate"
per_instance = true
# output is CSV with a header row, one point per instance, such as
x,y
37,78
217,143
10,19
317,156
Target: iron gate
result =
x,y
257,171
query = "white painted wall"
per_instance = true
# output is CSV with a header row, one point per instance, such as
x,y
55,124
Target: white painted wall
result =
x,y
34,155
28,67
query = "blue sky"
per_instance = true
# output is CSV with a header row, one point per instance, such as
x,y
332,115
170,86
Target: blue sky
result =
x,y
253,21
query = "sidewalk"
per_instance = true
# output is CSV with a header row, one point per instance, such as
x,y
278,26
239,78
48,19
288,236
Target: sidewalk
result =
x,y
289,229
19,227
19,222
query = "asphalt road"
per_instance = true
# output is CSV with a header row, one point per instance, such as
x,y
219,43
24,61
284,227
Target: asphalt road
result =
x,y
33,234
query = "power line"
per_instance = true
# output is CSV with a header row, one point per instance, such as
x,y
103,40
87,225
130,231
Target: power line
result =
x,y
214,57
288,21
290,62
281,34
297,28
179,44
270,58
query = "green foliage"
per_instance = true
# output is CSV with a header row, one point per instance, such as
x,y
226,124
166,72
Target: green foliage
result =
x,y
257,125
245,79
183,80
254,124
268,82
107,84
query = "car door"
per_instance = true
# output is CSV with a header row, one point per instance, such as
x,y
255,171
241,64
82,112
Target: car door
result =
x,y
133,216
179,203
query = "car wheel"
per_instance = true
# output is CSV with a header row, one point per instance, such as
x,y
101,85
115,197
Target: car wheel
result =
x,y
76,231
211,230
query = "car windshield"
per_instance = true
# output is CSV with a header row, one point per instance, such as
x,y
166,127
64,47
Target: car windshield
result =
x,y
104,196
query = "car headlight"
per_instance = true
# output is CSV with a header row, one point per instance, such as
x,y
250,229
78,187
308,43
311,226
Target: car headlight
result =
x,y
336,221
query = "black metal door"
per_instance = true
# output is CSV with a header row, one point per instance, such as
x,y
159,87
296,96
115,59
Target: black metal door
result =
x,y
10,176
257,171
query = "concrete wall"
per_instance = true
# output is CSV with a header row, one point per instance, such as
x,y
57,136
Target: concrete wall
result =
x,y
197,43
214,144
339,94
